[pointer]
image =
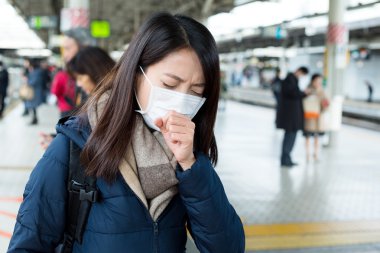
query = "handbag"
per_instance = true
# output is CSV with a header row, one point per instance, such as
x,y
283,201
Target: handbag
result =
x,y
312,107
325,103
26,92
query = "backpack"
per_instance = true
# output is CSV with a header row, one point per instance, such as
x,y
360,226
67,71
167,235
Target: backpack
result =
x,y
82,194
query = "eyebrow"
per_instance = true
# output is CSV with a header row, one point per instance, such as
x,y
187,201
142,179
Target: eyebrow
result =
x,y
174,77
181,80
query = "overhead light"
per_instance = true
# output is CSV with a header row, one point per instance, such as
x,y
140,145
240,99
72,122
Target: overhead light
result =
x,y
34,53
116,55
310,31
15,33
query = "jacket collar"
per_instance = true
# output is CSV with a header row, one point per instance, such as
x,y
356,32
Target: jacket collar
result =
x,y
75,128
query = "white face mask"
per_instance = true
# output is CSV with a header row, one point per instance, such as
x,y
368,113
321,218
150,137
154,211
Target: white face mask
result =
x,y
161,101
303,82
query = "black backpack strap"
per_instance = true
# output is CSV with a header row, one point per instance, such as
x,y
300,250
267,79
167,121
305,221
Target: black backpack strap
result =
x,y
82,193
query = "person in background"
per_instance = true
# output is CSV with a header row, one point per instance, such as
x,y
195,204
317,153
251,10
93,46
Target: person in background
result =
x,y
276,86
36,79
4,82
276,89
63,85
47,77
370,91
147,135
290,113
24,77
314,105
89,66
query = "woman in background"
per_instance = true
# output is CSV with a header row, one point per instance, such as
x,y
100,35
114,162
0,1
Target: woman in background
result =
x,y
89,66
314,105
36,80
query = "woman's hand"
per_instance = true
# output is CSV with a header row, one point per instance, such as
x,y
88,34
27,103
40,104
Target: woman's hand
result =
x,y
307,91
45,140
178,131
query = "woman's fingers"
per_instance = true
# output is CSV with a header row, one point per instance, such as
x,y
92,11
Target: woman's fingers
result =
x,y
174,119
180,137
179,129
159,123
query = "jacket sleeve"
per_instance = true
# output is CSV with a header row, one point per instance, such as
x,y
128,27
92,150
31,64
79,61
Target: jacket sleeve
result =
x,y
213,222
41,217
58,84
290,88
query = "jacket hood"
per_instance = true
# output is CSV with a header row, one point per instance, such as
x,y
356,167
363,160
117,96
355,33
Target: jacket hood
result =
x,y
75,128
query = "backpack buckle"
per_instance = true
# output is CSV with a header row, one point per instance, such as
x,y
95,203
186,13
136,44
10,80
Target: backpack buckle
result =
x,y
75,186
85,191
91,195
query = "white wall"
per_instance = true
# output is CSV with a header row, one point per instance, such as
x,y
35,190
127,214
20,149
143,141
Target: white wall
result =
x,y
356,73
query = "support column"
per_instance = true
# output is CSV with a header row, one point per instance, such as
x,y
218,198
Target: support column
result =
x,y
75,14
337,46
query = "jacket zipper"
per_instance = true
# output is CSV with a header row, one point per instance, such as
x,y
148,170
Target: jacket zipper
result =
x,y
155,229
155,223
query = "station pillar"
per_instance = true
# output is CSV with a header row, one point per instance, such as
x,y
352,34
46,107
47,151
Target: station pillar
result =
x,y
75,14
336,62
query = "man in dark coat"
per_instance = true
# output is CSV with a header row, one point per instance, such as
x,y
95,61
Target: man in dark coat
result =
x,y
290,113
4,81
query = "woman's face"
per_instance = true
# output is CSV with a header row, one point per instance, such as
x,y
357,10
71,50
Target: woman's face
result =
x,y
317,82
69,48
84,81
180,71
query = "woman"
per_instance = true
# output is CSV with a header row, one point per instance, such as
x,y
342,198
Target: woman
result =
x,y
63,86
314,105
37,81
147,135
89,66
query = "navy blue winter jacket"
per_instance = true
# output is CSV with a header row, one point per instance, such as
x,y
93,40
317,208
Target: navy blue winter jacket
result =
x,y
120,222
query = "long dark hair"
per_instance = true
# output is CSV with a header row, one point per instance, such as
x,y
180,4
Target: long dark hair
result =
x,y
313,77
160,35
91,61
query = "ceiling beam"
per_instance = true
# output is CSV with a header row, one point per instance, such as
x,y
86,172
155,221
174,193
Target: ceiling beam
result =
x,y
186,7
207,6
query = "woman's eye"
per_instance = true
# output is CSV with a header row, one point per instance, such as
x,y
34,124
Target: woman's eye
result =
x,y
196,93
168,86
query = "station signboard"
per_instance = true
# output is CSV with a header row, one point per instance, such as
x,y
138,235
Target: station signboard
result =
x,y
100,29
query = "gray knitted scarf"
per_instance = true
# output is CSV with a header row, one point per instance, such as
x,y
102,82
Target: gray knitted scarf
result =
x,y
148,166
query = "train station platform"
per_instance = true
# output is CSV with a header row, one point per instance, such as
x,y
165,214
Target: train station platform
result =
x,y
355,112
332,205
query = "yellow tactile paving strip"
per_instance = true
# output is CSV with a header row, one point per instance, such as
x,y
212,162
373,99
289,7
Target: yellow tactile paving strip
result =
x,y
27,168
306,235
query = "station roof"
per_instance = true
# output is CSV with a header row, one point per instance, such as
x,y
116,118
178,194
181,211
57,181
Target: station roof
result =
x,y
237,25
124,16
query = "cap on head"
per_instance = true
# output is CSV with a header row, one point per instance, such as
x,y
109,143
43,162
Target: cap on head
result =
x,y
82,36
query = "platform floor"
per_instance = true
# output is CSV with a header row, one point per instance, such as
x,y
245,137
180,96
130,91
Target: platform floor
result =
x,y
328,206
